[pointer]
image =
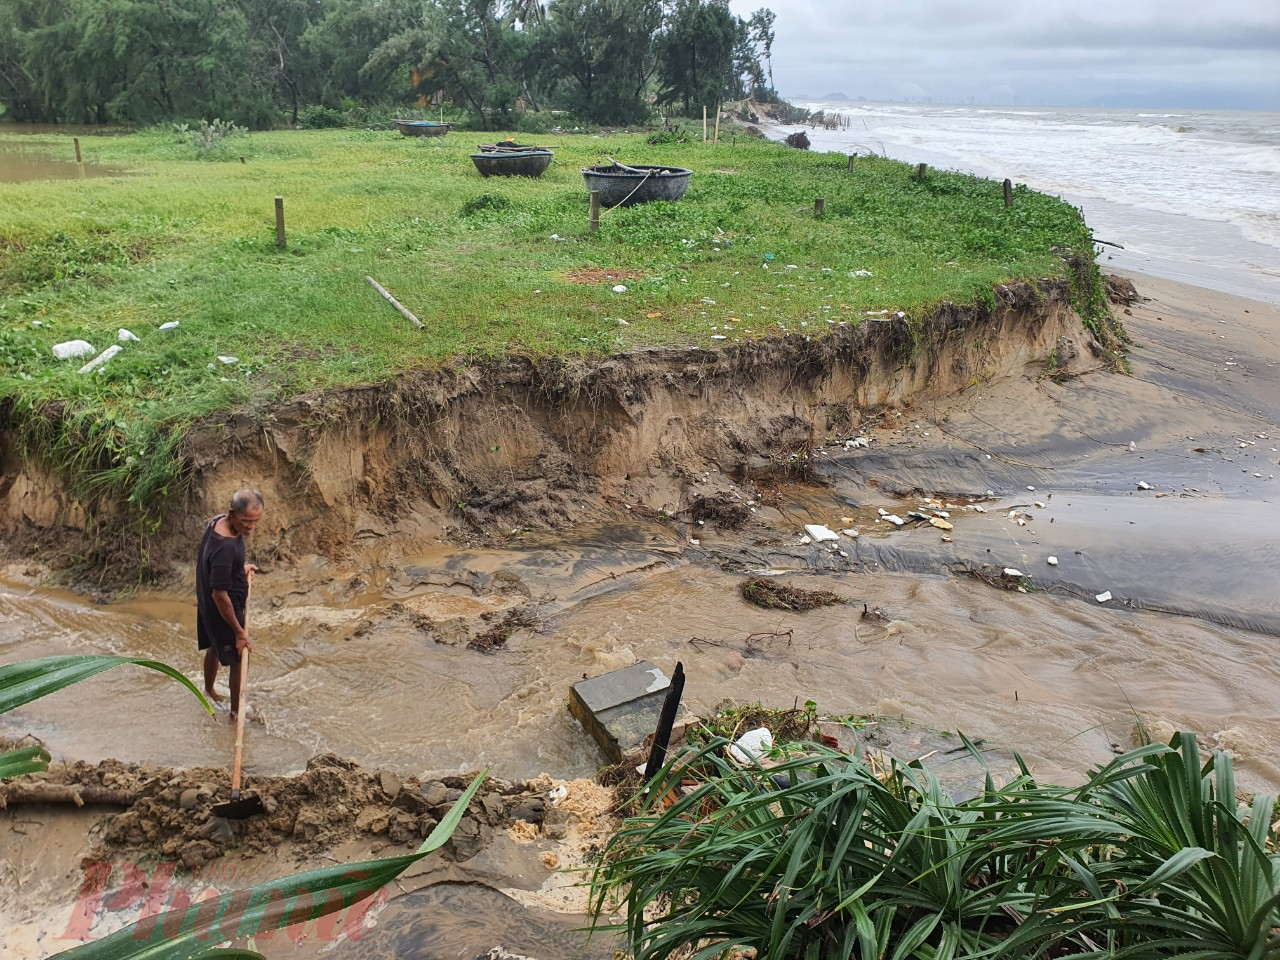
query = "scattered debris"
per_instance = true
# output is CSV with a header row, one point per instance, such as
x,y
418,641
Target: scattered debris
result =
x,y
1013,572
820,533
73,349
752,747
169,325
124,336
1052,561
772,595
101,358
1103,597
496,637
941,524
1143,485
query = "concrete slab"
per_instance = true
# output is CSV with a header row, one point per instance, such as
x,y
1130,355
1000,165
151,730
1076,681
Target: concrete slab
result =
x,y
621,708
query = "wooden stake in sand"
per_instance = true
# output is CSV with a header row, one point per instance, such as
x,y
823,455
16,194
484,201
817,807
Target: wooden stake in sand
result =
x,y
404,311
593,217
716,137
704,123
76,140
851,156
1008,194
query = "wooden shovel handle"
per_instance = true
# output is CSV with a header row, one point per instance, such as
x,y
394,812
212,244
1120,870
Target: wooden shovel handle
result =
x,y
244,677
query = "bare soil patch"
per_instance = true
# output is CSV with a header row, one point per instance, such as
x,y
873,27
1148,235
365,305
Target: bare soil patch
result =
x,y
588,275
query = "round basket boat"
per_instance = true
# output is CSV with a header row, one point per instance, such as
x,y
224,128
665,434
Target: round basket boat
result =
x,y
621,186
512,163
422,128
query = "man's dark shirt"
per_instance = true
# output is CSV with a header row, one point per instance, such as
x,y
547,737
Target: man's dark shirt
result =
x,y
220,566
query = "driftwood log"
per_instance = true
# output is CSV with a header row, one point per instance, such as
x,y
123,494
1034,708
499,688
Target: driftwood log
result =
x,y
75,794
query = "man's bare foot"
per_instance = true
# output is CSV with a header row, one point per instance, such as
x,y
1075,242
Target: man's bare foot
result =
x,y
232,717
213,695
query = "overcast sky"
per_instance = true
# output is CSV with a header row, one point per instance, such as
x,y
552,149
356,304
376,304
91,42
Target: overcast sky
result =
x,y
1155,53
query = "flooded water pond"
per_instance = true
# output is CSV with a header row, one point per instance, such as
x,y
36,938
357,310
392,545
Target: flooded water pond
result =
x,y
20,164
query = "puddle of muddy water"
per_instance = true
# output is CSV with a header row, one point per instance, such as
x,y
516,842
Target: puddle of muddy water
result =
x,y
19,165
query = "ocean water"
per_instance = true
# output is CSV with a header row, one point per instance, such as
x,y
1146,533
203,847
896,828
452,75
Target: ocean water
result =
x,y
1189,195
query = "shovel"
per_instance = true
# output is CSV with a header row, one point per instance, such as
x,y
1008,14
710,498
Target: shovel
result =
x,y
240,808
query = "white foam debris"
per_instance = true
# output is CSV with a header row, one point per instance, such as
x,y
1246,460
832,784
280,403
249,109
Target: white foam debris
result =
x,y
820,533
619,288
1143,485
1013,572
896,521
72,349
1103,597
124,336
101,358
1052,561
169,325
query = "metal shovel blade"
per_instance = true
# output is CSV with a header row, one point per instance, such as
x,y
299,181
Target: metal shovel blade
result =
x,y
239,808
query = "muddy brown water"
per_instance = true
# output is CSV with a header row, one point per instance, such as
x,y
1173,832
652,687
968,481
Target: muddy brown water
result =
x,y
19,164
369,659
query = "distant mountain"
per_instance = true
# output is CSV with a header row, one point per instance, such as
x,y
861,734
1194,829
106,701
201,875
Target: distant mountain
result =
x,y
835,96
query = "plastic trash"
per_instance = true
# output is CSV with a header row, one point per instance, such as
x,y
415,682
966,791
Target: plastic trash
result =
x,y
752,746
71,349
228,360
896,521
942,524
1143,485
125,336
1013,572
169,325
1103,597
1052,561
101,358
619,288
820,533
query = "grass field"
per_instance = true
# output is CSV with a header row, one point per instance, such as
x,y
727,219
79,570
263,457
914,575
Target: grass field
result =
x,y
489,265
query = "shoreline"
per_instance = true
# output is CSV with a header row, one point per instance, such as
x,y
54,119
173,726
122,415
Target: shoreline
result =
x,y
1141,232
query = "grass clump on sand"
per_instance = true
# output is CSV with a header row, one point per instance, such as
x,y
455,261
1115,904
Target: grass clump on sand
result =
x,y
489,265
772,595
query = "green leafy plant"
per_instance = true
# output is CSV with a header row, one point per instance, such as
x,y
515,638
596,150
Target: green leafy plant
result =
x,y
317,117
823,855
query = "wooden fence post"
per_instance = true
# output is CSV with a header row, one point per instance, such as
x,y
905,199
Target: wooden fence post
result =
x,y
716,137
819,206
1008,194
280,222
851,158
76,141
704,123
594,216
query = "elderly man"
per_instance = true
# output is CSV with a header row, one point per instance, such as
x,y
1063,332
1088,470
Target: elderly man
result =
x,y
222,591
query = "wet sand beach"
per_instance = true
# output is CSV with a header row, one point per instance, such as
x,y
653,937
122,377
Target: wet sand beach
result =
x,y
1157,487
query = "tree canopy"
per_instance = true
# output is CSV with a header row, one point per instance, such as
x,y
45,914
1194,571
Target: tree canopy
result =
x,y
262,62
